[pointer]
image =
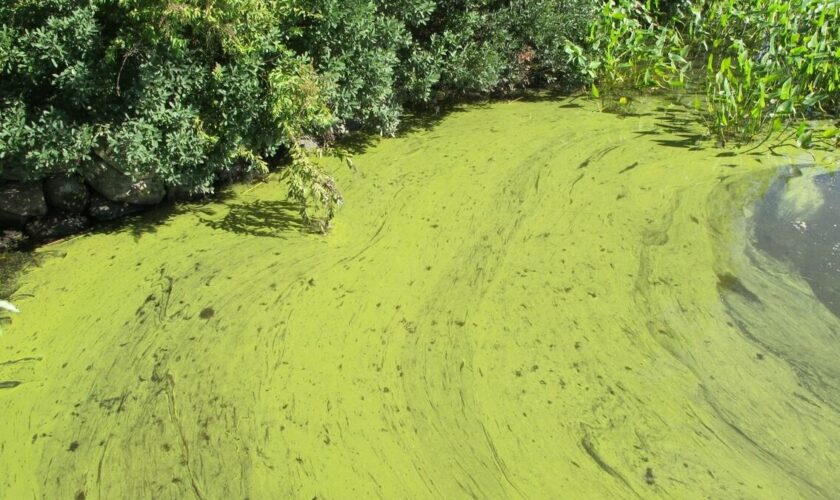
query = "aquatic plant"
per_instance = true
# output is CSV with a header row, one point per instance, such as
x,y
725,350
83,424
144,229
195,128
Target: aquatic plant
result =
x,y
319,192
769,62
628,48
764,65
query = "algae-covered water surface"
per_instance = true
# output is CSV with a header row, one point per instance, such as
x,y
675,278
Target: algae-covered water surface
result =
x,y
525,300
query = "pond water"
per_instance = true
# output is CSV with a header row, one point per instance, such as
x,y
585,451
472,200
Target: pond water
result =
x,y
525,299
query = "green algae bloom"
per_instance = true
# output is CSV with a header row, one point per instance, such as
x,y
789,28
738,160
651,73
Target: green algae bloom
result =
x,y
523,300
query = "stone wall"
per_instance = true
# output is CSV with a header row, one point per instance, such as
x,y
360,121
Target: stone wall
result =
x,y
63,204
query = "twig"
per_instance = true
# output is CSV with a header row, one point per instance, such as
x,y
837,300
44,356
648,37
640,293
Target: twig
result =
x,y
129,53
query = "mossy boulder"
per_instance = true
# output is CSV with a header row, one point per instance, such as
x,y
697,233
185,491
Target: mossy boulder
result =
x,y
102,209
21,201
67,193
118,186
57,226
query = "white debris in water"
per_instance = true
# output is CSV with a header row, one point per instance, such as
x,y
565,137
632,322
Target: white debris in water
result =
x,y
8,306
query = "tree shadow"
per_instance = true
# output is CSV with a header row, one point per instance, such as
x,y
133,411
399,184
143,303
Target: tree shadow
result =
x,y
681,127
150,221
145,220
547,95
691,142
425,117
262,218
12,265
418,119
357,143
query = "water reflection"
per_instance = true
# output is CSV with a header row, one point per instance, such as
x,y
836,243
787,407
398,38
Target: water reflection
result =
x,y
798,222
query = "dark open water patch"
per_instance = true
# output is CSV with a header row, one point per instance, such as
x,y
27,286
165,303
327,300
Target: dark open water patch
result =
x,y
798,222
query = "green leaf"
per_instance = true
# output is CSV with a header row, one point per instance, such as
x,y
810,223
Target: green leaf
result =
x,y
784,94
785,108
805,138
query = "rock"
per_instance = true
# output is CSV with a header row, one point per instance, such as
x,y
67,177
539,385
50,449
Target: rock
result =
x,y
105,210
308,144
8,220
57,226
12,173
238,172
10,240
120,187
178,193
20,201
67,193
353,125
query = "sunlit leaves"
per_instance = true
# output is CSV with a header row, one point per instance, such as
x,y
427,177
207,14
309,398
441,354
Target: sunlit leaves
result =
x,y
767,62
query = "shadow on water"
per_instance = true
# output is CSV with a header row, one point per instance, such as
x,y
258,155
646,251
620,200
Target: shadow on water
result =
x,y
425,117
359,142
257,218
682,127
149,222
570,99
140,224
262,218
12,264
690,142
356,143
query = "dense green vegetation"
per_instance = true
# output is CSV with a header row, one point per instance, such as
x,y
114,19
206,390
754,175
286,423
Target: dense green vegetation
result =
x,y
762,65
192,90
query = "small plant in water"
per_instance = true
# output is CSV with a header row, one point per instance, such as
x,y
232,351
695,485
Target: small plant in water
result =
x,y
316,192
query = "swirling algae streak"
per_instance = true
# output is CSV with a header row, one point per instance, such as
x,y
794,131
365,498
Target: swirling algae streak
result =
x,y
525,300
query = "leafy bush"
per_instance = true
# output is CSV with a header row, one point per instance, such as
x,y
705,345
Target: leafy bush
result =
x,y
382,55
190,90
183,91
11,264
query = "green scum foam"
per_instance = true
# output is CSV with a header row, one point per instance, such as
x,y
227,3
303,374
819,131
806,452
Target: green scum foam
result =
x,y
524,300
